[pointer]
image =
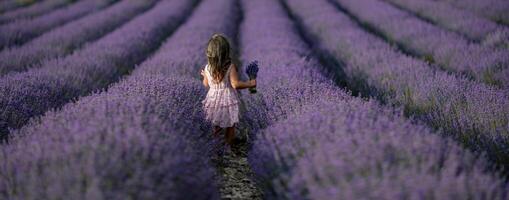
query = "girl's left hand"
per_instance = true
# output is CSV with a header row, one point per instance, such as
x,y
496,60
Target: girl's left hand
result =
x,y
252,82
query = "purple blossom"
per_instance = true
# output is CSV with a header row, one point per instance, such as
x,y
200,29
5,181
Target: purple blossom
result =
x,y
129,143
63,40
447,49
252,72
9,5
475,114
94,67
315,141
357,150
495,10
33,10
252,69
143,138
466,23
21,31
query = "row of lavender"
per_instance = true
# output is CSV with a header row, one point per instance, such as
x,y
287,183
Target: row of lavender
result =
x,y
9,5
464,22
60,80
321,143
34,10
475,114
21,31
141,139
65,39
495,10
447,49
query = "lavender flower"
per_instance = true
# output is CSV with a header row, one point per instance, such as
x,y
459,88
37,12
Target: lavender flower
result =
x,y
495,10
59,81
33,10
135,140
469,111
315,141
21,31
252,69
9,5
63,40
357,150
447,49
252,72
474,27
144,137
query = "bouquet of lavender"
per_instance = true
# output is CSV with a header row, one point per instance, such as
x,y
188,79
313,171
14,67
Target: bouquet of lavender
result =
x,y
252,72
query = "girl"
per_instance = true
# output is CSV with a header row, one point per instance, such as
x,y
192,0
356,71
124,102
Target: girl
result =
x,y
221,104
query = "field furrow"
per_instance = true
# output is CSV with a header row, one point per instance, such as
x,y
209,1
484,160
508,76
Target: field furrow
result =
x,y
33,10
94,67
322,143
354,99
10,5
474,114
21,31
475,28
65,39
289,77
448,50
495,10
152,118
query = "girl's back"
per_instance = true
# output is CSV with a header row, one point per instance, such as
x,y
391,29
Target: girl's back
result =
x,y
224,83
222,99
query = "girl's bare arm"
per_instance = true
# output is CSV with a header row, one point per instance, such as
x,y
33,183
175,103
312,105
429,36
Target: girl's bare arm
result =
x,y
205,81
236,83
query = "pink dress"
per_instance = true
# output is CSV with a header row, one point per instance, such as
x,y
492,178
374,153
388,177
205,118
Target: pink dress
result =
x,y
221,105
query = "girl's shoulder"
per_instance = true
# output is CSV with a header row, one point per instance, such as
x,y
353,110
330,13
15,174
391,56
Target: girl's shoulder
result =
x,y
232,66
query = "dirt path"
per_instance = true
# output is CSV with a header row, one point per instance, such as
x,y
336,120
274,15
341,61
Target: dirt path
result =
x,y
235,172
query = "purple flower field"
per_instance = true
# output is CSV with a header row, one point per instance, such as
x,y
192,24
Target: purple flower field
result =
x,y
355,99
32,10
20,31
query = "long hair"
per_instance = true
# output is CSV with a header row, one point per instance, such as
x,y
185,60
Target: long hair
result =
x,y
218,56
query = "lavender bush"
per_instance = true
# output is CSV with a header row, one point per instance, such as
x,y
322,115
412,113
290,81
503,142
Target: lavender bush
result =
x,y
468,24
33,92
143,138
333,146
135,142
63,40
185,49
475,114
34,10
447,49
21,31
9,5
289,79
495,10
356,150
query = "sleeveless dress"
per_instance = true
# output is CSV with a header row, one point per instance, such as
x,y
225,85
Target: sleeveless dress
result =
x,y
221,105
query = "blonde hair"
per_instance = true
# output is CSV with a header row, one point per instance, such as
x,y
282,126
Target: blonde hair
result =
x,y
218,56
